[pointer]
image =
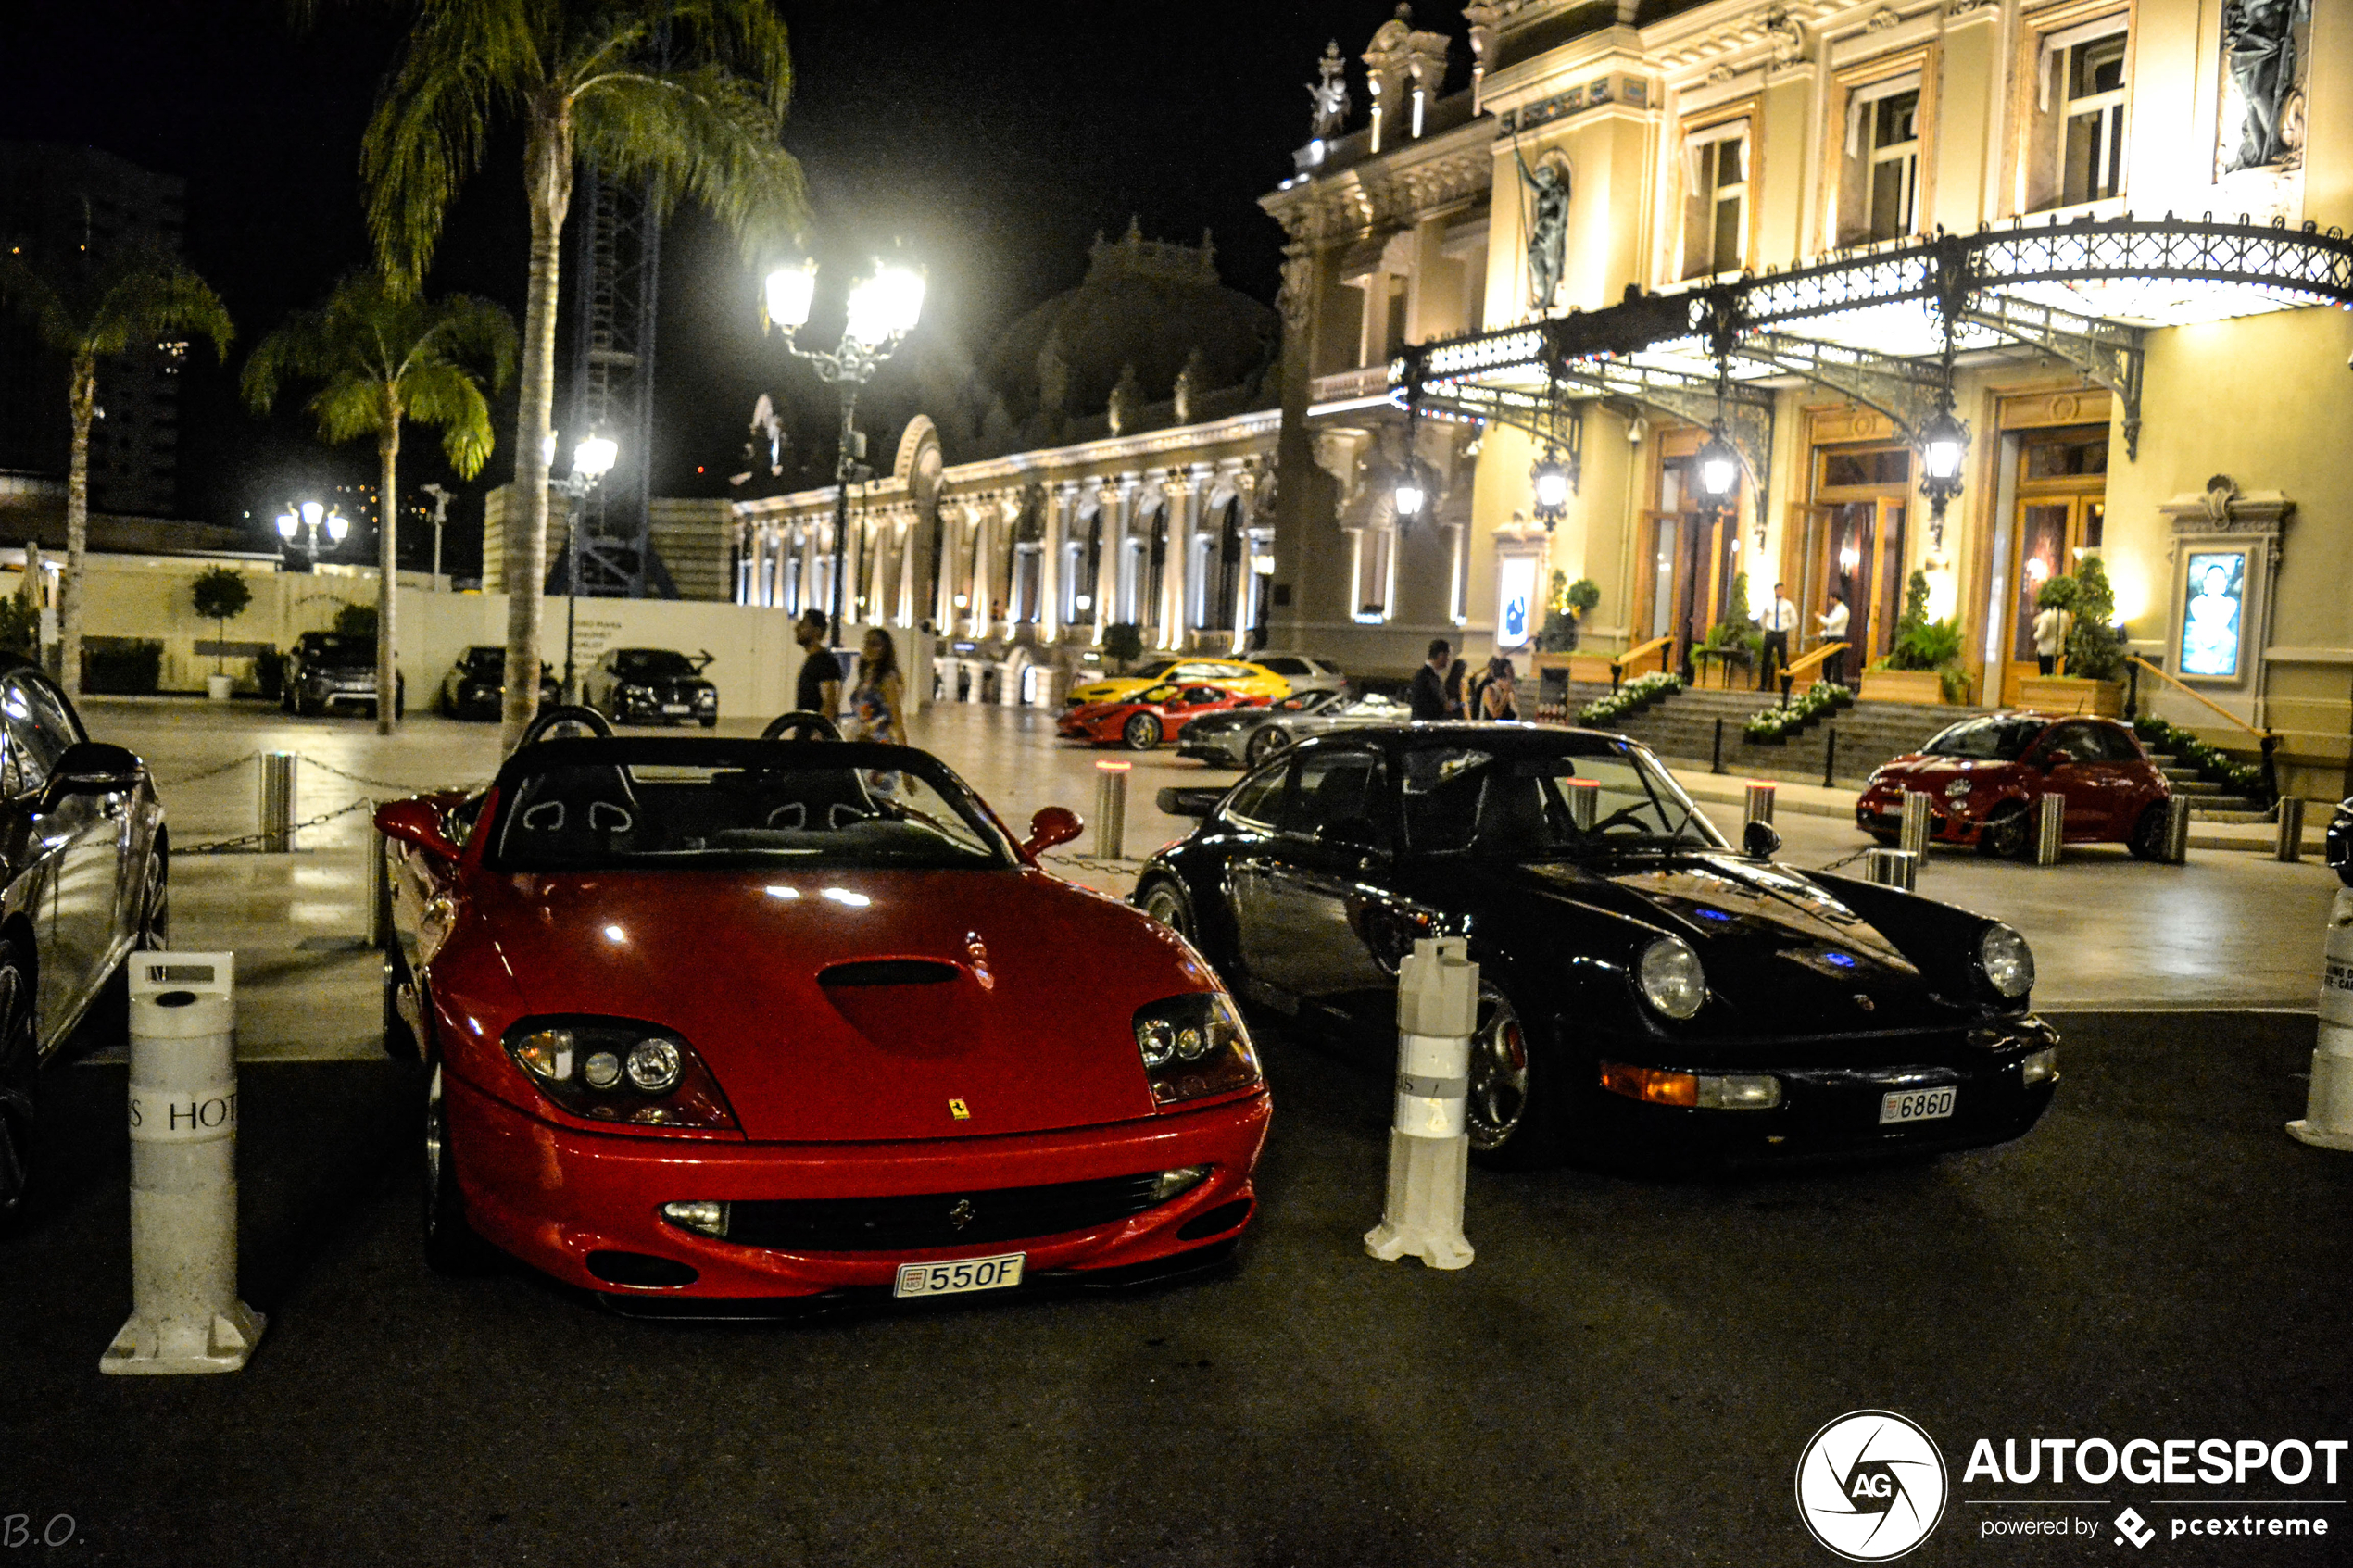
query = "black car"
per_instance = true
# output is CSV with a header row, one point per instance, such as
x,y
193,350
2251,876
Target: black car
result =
x,y
83,866
1649,994
477,686
2339,845
652,686
330,669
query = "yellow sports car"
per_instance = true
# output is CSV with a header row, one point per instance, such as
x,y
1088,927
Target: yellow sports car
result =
x,y
1250,680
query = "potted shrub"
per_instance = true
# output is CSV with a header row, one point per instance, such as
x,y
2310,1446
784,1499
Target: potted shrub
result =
x,y
1123,644
1923,664
2094,653
221,596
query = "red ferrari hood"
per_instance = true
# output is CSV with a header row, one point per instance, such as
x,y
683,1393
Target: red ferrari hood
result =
x,y
861,1005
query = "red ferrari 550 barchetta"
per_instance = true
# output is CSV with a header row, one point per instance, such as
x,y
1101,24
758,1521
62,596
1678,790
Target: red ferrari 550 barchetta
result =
x,y
1153,715
738,1019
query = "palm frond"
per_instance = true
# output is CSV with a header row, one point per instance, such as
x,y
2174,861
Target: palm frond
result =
x,y
478,334
702,132
443,395
147,298
349,406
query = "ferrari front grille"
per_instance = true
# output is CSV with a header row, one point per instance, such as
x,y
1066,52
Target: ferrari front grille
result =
x,y
935,1220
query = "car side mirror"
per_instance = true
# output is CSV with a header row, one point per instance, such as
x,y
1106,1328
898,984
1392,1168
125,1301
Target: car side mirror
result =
x,y
1357,833
1761,840
92,766
415,822
1052,825
1189,800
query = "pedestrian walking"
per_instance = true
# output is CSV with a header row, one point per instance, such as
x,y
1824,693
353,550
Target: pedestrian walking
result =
x,y
1429,694
819,688
878,707
1780,619
2051,625
1833,623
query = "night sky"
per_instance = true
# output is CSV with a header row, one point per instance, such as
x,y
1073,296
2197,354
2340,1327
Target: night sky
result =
x,y
991,141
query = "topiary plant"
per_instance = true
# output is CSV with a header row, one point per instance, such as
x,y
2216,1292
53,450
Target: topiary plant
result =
x,y
2093,651
221,595
1123,644
356,620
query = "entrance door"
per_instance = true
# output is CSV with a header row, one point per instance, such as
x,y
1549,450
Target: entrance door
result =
x,y
1693,558
2051,534
1861,558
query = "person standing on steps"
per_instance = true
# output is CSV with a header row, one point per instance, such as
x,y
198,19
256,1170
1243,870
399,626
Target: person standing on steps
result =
x,y
819,689
1834,624
2050,636
1780,619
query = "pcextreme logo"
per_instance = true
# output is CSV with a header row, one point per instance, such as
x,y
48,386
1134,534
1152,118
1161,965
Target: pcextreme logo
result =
x,y
1871,1486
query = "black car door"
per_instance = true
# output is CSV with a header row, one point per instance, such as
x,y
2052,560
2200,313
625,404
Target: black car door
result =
x,y
78,845
1318,922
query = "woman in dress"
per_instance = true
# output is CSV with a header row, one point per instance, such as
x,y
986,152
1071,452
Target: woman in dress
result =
x,y
878,705
1496,698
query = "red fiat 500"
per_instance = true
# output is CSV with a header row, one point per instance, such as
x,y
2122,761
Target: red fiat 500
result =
x,y
1153,715
763,1019
1983,777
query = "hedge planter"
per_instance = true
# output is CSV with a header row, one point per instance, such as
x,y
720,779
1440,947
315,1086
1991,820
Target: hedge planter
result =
x,y
2069,694
1925,687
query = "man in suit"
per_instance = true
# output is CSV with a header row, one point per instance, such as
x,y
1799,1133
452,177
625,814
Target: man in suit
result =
x,y
1429,695
1780,619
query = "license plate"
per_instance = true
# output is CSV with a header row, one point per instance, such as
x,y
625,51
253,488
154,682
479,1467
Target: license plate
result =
x,y
674,708
1916,1104
964,1275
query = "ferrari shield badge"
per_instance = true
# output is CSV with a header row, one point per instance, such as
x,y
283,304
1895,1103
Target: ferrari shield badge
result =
x,y
959,1110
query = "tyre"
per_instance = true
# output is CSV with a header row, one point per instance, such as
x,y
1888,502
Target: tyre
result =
x,y
20,1077
1264,741
710,723
152,931
399,699
1141,733
1512,1110
2147,839
2009,834
1165,902
400,1041
1884,840
451,1246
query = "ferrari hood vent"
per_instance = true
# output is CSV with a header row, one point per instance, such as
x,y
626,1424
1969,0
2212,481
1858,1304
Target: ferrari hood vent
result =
x,y
888,971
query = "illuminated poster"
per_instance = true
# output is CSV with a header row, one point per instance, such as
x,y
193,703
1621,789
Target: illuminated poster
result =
x,y
2211,618
1515,601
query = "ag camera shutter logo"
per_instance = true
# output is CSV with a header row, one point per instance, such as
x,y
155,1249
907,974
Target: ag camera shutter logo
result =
x,y
1871,1486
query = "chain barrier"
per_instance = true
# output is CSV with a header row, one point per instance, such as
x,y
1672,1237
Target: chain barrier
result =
x,y
198,777
1847,859
1090,863
245,841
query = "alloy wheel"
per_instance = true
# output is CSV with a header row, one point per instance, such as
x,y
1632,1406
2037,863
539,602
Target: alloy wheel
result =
x,y
1499,1078
1142,733
1164,904
1270,739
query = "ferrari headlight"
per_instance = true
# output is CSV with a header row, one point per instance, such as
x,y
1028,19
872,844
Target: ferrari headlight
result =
x,y
2005,961
1958,789
1193,1046
613,1070
1671,978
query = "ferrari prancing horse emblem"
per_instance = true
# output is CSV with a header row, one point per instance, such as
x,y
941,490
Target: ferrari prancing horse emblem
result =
x,y
962,1214
959,1110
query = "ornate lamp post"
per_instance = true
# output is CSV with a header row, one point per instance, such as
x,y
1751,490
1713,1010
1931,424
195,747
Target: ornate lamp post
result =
x,y
884,308
1551,480
309,516
591,460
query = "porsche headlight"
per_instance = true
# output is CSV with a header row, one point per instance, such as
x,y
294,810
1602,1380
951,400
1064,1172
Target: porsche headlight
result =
x,y
1193,1046
612,1069
1671,978
2005,961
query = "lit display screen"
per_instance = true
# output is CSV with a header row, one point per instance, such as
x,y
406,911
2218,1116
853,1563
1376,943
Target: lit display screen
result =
x,y
1517,602
2213,614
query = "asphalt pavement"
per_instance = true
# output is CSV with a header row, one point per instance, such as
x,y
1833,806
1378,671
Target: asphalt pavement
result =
x,y
1626,1374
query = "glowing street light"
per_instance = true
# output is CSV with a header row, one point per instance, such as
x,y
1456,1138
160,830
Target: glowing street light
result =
x,y
1719,468
592,458
1550,478
308,517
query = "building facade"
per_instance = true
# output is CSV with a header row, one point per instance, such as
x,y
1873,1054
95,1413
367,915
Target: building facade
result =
x,y
1640,221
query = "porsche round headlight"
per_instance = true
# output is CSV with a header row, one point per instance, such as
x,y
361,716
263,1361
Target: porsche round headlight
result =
x,y
1156,1039
653,1066
601,1071
1671,978
2006,961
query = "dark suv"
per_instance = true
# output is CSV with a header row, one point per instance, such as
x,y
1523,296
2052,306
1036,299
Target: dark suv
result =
x,y
330,670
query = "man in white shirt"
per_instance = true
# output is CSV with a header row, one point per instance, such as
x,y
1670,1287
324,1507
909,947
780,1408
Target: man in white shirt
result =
x,y
1834,624
1780,619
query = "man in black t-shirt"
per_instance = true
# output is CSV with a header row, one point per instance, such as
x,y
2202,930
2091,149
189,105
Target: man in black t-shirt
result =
x,y
820,687
1428,694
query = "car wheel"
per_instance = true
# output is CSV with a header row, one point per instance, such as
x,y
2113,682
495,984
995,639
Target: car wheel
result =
x,y
400,1041
710,723
1884,840
2147,840
1141,733
1508,1117
451,1246
1165,901
153,934
1269,740
401,700
2009,834
19,1073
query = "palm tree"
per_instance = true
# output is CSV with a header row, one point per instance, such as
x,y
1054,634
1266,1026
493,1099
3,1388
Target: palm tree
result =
x,y
91,306
685,96
385,359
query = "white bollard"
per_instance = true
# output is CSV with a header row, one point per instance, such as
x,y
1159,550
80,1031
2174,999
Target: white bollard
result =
x,y
2328,1110
1911,834
1110,810
1429,1144
2050,827
185,1313
1759,803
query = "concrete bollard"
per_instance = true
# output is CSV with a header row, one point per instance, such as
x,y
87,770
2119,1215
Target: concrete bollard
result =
x,y
2177,831
2328,1109
1760,801
1892,867
1911,833
2288,844
1110,810
276,802
1584,797
2050,829
1429,1144
185,1315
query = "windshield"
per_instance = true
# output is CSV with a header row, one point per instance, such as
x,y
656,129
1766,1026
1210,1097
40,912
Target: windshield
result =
x,y
484,660
1373,703
328,648
1516,805
598,806
652,664
1992,739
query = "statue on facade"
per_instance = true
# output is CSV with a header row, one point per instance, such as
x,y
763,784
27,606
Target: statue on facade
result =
x,y
1546,207
1328,95
2259,45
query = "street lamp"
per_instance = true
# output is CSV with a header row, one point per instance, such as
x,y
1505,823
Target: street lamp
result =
x,y
1719,468
1551,480
309,517
591,460
883,308
1943,443
440,517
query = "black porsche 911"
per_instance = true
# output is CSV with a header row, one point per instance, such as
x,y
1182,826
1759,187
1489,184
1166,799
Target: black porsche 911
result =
x,y
1649,993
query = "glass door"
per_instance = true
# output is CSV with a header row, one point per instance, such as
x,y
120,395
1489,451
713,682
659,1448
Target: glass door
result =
x,y
2052,532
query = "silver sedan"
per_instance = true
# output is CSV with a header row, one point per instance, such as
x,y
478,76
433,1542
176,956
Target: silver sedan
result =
x,y
1247,736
